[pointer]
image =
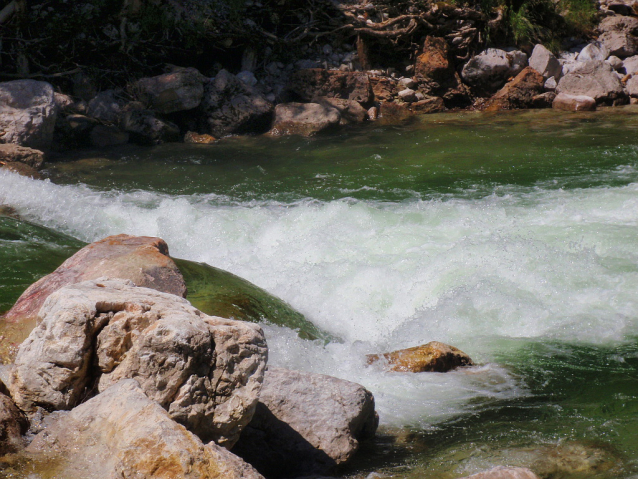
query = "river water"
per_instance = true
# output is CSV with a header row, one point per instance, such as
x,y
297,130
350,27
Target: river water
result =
x,y
512,236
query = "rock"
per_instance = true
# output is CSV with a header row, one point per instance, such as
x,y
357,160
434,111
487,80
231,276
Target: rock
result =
x,y
518,93
630,65
427,105
204,139
502,472
567,102
75,130
306,423
393,112
383,89
142,259
407,83
11,152
21,169
618,34
632,86
27,113
544,100
122,433
63,102
179,90
431,357
204,370
595,51
491,68
230,106
544,62
314,83
103,136
550,84
595,79
303,118
247,77
145,128
615,62
408,95
13,425
107,106
351,111
373,113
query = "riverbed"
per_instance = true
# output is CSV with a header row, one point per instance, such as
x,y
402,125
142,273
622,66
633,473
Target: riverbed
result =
x,y
512,236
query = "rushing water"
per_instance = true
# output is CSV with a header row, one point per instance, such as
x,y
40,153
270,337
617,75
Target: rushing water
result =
x,y
513,237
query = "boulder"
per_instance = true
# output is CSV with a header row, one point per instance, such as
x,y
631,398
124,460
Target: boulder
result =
x,y
490,69
13,425
595,51
431,357
21,169
27,113
567,102
122,433
180,90
544,100
615,62
313,83
351,111
502,472
595,79
104,136
231,106
74,130
203,139
393,112
383,88
107,106
204,370
619,35
306,423
142,259
408,95
145,128
544,62
303,118
427,105
632,86
519,93
630,65
11,152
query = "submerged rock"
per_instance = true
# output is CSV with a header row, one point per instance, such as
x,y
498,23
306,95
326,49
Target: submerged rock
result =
x,y
502,472
431,357
205,371
141,259
303,119
122,433
306,423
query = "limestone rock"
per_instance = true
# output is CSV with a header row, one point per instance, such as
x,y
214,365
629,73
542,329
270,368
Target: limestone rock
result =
x,y
431,357
303,118
27,113
231,106
104,136
632,86
312,83
630,65
519,93
502,472
180,90
142,259
204,370
145,128
595,79
122,433
567,102
351,111
615,62
306,423
491,68
544,62
618,34
107,106
13,424
11,152
595,51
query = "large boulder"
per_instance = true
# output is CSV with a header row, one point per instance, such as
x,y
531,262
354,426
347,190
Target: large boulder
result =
x,y
566,102
619,35
595,79
545,63
11,152
122,433
351,111
304,119
141,259
431,357
383,88
490,69
27,113
107,106
595,51
519,93
312,83
306,423
204,370
630,65
13,424
501,472
180,90
632,86
231,106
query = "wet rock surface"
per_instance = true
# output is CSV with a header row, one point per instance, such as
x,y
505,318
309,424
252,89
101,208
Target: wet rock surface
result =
x,y
431,357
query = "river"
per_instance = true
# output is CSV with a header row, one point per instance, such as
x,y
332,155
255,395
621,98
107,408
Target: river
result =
x,y
512,236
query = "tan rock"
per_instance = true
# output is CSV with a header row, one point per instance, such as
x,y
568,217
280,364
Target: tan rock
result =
x,y
595,79
202,139
567,102
303,119
434,62
431,357
205,371
13,424
313,83
502,472
351,111
10,152
122,433
142,259
428,105
518,93
21,169
383,89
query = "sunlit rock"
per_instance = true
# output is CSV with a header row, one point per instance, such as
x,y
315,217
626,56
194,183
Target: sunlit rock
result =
x,y
431,357
303,119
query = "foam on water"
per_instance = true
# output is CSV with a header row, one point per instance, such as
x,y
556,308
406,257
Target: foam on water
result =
x,y
531,263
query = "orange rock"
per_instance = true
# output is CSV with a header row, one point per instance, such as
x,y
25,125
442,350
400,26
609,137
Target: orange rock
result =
x,y
518,93
431,357
203,139
434,62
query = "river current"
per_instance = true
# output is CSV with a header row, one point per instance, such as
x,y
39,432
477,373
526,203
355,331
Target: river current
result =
x,y
513,237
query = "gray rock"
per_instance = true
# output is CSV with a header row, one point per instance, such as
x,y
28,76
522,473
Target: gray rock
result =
x,y
206,371
595,79
180,90
27,113
618,34
145,128
567,102
502,472
491,68
545,63
231,106
615,62
247,77
596,51
407,83
351,111
550,84
306,423
632,86
408,95
304,119
630,65
107,106
122,433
